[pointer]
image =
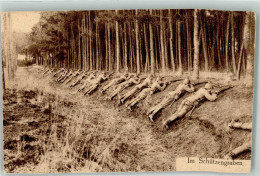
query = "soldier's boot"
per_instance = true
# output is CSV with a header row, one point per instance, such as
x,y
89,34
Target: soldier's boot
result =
x,y
152,110
86,92
91,90
150,116
122,100
238,150
131,105
127,104
82,87
171,119
229,156
112,95
107,98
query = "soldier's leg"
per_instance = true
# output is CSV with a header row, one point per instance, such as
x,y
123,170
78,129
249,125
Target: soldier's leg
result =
x,y
114,93
83,86
86,92
130,102
129,94
238,150
181,112
107,86
158,107
161,105
141,96
239,125
133,101
92,88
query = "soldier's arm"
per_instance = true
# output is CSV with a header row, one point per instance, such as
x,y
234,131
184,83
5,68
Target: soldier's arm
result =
x,y
189,88
91,77
135,82
161,88
105,77
210,97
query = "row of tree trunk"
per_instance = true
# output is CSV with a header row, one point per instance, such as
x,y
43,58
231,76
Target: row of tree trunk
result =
x,y
9,54
158,41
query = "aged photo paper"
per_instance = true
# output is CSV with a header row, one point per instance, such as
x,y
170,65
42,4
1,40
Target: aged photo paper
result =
x,y
127,90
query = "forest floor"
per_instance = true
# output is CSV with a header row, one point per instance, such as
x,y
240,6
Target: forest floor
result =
x,y
50,128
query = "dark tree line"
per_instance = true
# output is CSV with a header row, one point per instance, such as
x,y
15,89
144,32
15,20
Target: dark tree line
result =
x,y
147,41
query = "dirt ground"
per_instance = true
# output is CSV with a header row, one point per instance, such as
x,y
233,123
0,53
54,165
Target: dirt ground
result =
x,y
50,128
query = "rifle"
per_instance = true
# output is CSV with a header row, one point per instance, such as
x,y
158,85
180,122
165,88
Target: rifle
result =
x,y
172,81
216,92
198,83
110,75
223,89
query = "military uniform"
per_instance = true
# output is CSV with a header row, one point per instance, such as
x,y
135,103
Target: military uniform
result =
x,y
88,80
124,85
82,76
192,101
115,82
172,96
96,83
144,93
145,83
246,146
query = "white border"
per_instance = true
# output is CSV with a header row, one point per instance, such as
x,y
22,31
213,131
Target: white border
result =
x,y
54,5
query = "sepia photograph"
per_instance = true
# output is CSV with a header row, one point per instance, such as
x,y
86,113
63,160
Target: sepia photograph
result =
x,y
142,90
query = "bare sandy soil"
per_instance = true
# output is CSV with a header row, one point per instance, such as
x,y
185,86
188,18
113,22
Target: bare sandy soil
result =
x,y
49,127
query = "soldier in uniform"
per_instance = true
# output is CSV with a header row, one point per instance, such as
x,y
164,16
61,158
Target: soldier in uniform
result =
x,y
139,87
246,146
90,78
191,102
58,72
148,91
74,75
96,82
66,76
62,75
132,81
46,70
78,80
186,86
116,81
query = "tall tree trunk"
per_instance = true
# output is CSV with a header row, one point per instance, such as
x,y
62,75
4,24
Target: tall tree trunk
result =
x,y
117,46
204,45
131,43
165,48
179,47
249,43
188,43
151,46
196,46
97,46
79,46
109,48
240,61
171,41
125,47
162,42
146,50
227,44
233,44
218,42
90,45
137,43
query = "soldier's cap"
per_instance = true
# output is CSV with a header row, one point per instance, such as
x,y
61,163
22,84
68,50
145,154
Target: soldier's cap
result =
x,y
208,86
186,80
